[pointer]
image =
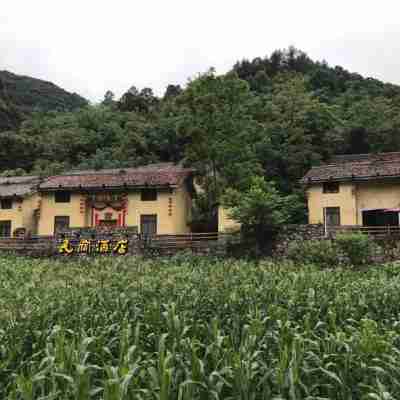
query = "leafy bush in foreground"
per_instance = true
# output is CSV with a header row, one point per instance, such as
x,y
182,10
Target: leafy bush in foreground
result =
x,y
196,328
354,249
319,252
357,247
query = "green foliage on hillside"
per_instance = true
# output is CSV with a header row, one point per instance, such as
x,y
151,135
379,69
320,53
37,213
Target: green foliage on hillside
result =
x,y
20,96
271,117
196,328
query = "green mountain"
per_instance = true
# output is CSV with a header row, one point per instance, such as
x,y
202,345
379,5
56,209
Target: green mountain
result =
x,y
20,96
272,117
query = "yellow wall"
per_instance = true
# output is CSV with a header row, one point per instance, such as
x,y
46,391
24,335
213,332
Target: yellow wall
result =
x,y
179,207
345,199
15,215
225,222
29,204
175,223
182,210
22,213
352,199
377,195
50,209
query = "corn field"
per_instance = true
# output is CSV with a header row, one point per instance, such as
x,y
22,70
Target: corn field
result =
x,y
196,328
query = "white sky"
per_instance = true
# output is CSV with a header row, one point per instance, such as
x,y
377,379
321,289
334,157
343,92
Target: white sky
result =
x,y
90,46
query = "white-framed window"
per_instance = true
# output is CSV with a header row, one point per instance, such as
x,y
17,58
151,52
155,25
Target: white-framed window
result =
x,y
332,216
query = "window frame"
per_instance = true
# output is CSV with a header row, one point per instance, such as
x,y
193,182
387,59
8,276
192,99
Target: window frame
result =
x,y
327,190
326,214
154,193
66,193
150,217
6,200
8,229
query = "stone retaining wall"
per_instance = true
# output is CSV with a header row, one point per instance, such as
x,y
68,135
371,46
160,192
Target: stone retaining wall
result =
x,y
290,233
49,246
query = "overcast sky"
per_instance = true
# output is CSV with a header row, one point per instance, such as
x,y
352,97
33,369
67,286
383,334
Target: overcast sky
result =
x,y
90,46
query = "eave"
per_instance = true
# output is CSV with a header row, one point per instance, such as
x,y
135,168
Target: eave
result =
x,y
105,188
310,181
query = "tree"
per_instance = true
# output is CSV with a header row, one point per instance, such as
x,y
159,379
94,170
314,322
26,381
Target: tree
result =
x,y
141,102
45,168
108,99
373,124
272,117
218,125
302,131
17,151
172,91
13,172
261,209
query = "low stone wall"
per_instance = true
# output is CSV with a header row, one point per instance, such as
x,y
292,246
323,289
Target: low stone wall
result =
x,y
52,246
290,233
387,249
222,246
24,246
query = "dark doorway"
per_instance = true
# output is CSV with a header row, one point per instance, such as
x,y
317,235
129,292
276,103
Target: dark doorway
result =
x,y
5,228
61,223
332,216
148,224
380,218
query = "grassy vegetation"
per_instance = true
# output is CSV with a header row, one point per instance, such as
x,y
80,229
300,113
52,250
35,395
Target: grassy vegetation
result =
x,y
196,328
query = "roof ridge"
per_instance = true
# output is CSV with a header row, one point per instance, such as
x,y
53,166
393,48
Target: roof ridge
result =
x,y
373,167
162,176
370,161
167,166
343,158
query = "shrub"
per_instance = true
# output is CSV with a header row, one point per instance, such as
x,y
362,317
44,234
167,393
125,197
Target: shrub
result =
x,y
356,247
320,252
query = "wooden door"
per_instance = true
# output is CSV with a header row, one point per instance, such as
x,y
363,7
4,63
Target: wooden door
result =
x,y
148,225
5,228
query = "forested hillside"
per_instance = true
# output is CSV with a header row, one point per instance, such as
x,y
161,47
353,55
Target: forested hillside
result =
x,y
20,96
271,118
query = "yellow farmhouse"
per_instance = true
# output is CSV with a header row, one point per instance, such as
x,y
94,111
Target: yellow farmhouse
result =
x,y
157,199
361,190
226,224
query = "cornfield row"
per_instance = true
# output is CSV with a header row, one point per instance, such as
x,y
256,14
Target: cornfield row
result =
x,y
196,328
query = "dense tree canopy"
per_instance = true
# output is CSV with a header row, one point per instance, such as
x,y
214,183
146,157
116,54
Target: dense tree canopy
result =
x,y
271,118
20,96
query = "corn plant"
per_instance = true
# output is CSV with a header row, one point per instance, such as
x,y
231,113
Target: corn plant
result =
x,y
191,327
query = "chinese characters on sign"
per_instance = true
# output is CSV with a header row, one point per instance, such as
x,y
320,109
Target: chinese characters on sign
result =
x,y
88,246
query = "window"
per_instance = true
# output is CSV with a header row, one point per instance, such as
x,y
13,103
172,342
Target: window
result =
x,y
61,223
332,216
148,195
6,204
62,197
148,224
331,187
380,217
5,228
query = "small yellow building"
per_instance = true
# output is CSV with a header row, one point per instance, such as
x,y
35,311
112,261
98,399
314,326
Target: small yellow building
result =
x,y
18,196
362,190
226,224
157,199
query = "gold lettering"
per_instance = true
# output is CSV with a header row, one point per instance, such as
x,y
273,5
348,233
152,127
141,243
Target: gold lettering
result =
x,y
66,247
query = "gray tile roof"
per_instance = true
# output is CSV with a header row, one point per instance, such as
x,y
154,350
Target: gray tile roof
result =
x,y
155,175
18,185
356,167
